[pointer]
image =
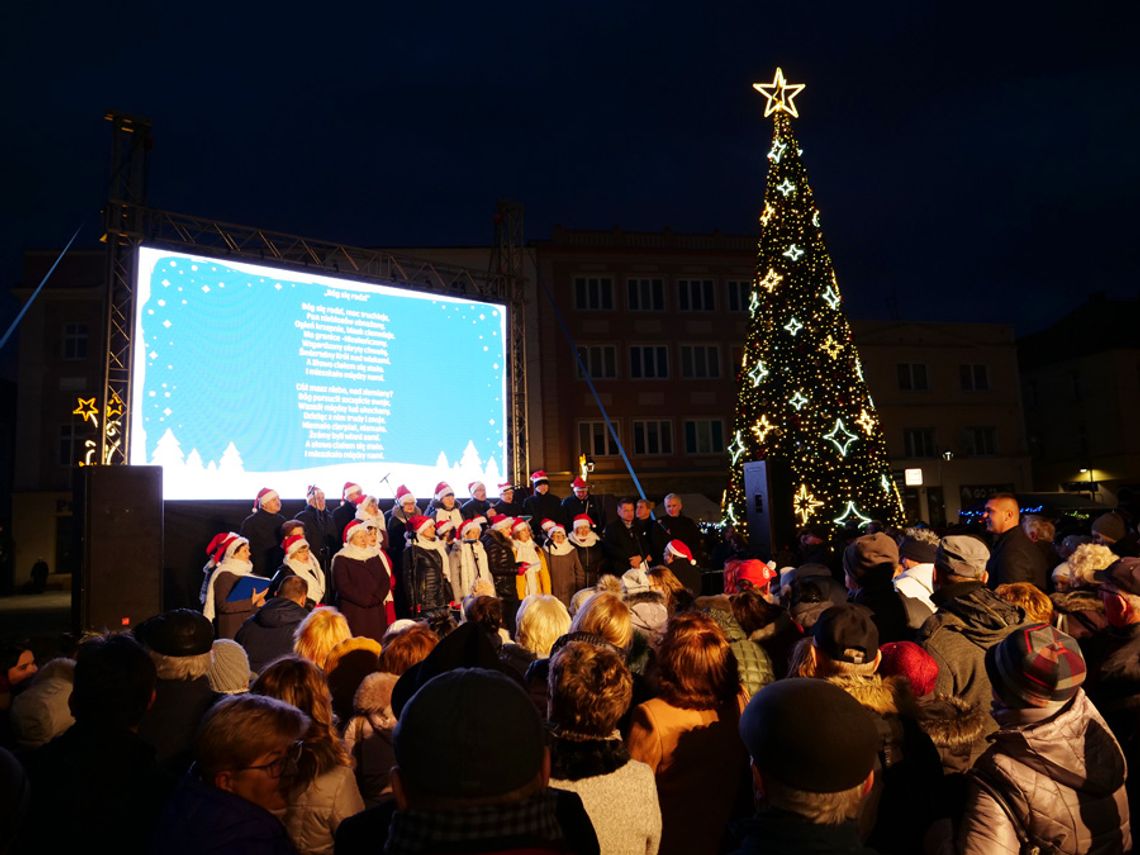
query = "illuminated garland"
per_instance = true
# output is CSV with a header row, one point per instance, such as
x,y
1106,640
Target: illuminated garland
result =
x,y
803,382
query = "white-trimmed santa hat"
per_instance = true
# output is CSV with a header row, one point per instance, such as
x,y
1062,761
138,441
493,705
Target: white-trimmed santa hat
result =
x,y
224,545
538,476
503,523
519,523
419,524
473,523
292,543
352,492
679,549
350,529
443,526
579,484
443,489
506,485
553,528
547,525
583,520
473,486
264,495
402,493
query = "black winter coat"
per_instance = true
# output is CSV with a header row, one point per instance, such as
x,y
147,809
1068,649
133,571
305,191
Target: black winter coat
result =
x,y
425,584
263,531
504,569
321,533
592,507
268,633
540,507
1015,558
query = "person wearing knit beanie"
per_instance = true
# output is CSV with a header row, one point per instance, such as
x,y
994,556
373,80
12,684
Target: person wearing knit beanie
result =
x,y
229,668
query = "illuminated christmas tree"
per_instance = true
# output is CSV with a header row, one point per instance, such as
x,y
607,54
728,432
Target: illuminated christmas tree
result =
x,y
802,401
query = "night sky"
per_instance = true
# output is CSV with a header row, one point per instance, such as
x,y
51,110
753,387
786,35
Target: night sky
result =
x,y
972,161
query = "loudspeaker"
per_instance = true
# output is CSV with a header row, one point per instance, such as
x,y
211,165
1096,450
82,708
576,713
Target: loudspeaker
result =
x,y
768,495
119,514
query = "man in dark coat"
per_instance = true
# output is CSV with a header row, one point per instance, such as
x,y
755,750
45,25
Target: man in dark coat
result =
x,y
541,505
351,495
507,504
684,529
477,505
653,534
268,633
583,503
262,529
1013,556
320,527
869,565
622,541
425,561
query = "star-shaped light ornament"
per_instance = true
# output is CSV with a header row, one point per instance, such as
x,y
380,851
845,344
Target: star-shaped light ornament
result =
x,y
793,326
777,151
762,428
754,302
835,436
793,252
85,408
780,95
737,448
770,281
115,406
851,512
830,297
866,421
831,347
886,482
757,373
804,504
786,187
815,218
798,400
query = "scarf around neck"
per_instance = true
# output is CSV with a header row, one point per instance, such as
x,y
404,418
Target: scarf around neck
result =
x,y
229,565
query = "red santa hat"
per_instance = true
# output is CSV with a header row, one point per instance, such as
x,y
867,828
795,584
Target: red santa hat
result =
x,y
579,484
548,524
538,477
224,545
443,489
264,495
679,549
352,493
503,523
506,485
350,529
553,528
292,543
402,493
473,523
583,520
419,523
443,526
519,523
473,486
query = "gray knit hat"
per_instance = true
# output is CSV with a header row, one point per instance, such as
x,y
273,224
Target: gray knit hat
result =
x,y
962,555
229,668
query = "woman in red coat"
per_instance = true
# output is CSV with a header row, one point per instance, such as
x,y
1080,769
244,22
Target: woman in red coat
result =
x,y
362,581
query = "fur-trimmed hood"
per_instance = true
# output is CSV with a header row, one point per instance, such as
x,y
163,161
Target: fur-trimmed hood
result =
x,y
883,695
374,694
952,722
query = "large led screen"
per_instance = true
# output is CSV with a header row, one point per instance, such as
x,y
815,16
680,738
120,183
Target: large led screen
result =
x,y
248,376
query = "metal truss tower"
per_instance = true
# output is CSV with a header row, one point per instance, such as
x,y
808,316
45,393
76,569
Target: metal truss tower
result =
x,y
507,264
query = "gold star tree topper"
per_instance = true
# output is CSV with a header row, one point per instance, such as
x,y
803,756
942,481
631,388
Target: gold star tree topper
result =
x,y
780,94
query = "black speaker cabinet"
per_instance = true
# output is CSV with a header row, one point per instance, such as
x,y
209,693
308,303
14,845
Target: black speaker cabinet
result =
x,y
769,496
118,513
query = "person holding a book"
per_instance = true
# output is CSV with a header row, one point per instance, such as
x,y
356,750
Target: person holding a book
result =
x,y
233,592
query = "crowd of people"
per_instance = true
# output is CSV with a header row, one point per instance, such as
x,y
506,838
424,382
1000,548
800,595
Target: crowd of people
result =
x,y
493,676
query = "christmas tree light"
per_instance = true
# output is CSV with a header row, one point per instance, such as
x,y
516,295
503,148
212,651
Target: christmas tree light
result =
x,y
812,378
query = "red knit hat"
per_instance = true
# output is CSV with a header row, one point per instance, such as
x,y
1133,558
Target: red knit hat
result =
x,y
419,522
756,573
443,489
219,547
292,543
263,496
402,493
350,529
907,660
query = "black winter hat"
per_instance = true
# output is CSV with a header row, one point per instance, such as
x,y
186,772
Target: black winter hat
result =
x,y
810,735
179,632
847,633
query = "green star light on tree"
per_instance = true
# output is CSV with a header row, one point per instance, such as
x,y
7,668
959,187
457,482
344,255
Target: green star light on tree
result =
x,y
813,384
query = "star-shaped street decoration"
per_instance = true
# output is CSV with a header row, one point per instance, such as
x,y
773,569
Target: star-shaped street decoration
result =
x,y
757,374
114,407
754,302
793,326
793,252
848,513
770,281
762,428
830,297
804,504
840,431
831,347
777,151
737,448
85,409
798,400
866,421
786,187
780,94
886,482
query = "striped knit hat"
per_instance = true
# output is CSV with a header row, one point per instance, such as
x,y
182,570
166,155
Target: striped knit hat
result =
x,y
1035,666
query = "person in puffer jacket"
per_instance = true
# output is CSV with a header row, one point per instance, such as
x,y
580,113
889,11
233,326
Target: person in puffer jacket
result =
x,y
1054,774
753,661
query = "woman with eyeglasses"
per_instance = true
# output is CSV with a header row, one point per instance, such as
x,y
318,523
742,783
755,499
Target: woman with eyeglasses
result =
x,y
246,752
325,791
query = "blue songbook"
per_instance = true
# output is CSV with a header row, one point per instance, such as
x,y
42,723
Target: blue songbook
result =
x,y
246,587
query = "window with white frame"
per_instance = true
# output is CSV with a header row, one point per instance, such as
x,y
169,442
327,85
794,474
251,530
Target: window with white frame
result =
x,y
594,439
652,437
737,291
700,361
593,293
648,361
695,295
600,359
646,295
704,436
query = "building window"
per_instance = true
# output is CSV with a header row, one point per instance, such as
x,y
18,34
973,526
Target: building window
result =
x,y
919,442
700,361
74,341
600,359
652,437
595,441
646,295
738,294
594,293
704,436
695,295
979,441
975,378
68,445
912,376
648,362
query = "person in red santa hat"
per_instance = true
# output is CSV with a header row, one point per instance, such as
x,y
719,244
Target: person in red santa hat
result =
x,y
425,570
230,553
300,561
362,579
581,502
469,558
504,567
262,529
369,511
478,504
591,553
534,577
351,495
506,505
443,506
541,504
566,572
320,528
679,559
